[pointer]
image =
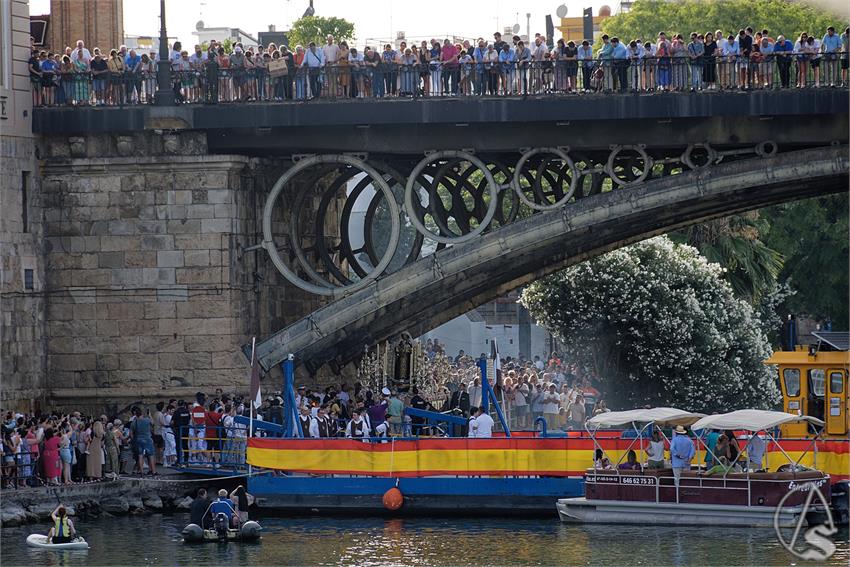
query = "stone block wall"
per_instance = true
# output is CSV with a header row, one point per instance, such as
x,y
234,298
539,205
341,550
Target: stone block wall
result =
x,y
22,303
148,296
149,292
22,276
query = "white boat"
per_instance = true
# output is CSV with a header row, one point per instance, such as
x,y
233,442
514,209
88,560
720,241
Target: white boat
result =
x,y
41,541
653,496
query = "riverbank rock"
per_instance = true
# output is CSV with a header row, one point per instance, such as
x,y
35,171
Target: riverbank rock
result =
x,y
13,515
152,502
184,504
115,505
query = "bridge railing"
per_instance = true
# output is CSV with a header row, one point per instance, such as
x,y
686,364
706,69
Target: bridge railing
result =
x,y
212,84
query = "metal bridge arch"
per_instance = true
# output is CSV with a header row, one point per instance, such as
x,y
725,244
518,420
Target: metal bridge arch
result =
x,y
432,290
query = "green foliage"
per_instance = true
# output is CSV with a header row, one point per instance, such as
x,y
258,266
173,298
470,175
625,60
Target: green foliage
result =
x,y
227,44
736,244
317,28
813,235
648,17
659,325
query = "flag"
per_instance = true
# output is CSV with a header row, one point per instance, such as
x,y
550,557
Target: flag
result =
x,y
256,397
497,363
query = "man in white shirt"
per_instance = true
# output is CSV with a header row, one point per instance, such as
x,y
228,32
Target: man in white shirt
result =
x,y
80,52
475,393
481,425
551,400
330,51
539,363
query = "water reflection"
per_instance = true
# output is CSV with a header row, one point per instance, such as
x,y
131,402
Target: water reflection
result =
x,y
155,540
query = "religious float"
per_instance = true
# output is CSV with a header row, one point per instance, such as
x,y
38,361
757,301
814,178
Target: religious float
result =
x,y
514,472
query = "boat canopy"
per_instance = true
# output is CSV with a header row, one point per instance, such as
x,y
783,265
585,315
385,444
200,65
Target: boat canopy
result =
x,y
752,420
660,416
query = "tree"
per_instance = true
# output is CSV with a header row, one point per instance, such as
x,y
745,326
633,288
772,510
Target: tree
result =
x,y
659,324
736,243
813,236
648,17
317,28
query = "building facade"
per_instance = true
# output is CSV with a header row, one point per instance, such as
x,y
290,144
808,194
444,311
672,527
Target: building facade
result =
x,y
22,269
96,22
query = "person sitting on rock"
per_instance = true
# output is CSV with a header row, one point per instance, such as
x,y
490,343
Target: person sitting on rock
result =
x,y
63,528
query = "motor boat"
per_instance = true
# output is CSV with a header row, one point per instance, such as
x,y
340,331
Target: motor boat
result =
x,y
777,497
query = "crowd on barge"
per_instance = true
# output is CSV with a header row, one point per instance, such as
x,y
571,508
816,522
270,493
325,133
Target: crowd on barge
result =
x,y
699,61
59,448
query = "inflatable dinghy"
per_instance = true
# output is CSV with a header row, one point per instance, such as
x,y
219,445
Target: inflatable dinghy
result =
x,y
250,531
41,541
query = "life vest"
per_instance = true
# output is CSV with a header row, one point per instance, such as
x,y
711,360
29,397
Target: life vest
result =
x,y
61,528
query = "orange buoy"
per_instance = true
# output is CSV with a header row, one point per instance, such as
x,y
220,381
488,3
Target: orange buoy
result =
x,y
393,499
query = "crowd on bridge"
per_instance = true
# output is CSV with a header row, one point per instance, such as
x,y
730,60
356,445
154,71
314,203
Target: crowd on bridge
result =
x,y
54,448
714,60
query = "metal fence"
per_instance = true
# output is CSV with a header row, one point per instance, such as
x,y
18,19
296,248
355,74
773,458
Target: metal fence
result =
x,y
212,85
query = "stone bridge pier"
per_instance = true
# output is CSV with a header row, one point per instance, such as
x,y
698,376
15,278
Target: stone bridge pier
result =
x,y
150,291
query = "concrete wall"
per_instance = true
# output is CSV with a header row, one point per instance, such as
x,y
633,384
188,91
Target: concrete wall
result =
x,y
21,307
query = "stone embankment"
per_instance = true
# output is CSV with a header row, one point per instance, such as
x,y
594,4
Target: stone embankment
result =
x,y
123,496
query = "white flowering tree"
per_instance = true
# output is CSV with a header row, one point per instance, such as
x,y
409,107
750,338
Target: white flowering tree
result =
x,y
660,326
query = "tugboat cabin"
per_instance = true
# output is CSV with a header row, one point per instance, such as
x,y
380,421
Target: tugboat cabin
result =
x,y
814,383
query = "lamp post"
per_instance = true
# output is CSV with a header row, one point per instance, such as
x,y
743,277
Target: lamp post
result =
x,y
164,95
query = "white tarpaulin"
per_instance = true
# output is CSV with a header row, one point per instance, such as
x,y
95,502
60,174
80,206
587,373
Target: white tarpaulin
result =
x,y
751,420
661,416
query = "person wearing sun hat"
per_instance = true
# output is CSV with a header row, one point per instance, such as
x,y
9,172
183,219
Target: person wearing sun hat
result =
x,y
681,452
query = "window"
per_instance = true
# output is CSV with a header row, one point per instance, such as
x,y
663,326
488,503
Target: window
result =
x,y
791,376
836,382
25,182
28,280
817,382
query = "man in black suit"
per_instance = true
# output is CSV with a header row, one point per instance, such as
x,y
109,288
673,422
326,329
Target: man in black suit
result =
x,y
460,400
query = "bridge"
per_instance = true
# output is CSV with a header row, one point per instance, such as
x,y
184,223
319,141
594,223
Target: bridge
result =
x,y
368,218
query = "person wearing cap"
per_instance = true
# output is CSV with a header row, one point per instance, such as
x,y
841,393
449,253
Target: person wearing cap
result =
x,y
681,452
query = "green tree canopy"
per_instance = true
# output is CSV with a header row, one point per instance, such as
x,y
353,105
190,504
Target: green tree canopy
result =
x,y
648,17
813,236
317,28
659,325
736,243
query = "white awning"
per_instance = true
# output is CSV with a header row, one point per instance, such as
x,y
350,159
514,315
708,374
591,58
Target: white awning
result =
x,y
752,420
661,416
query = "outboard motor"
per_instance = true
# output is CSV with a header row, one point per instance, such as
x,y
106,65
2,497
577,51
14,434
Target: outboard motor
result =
x,y
220,525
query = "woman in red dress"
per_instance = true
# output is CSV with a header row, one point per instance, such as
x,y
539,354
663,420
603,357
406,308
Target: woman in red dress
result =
x,y
50,455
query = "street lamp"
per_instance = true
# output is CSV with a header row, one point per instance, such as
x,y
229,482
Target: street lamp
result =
x,y
164,95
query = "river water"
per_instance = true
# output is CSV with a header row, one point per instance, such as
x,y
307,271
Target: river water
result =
x,y
155,540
